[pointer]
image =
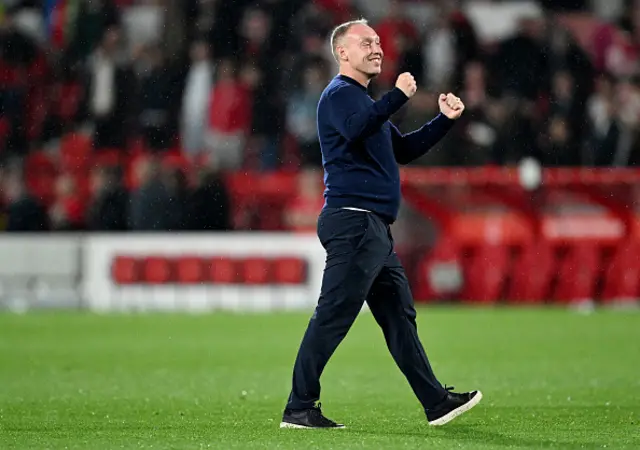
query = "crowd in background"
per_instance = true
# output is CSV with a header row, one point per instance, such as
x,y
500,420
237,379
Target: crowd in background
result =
x,y
234,85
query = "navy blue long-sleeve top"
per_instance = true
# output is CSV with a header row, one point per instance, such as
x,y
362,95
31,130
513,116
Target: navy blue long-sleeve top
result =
x,y
361,148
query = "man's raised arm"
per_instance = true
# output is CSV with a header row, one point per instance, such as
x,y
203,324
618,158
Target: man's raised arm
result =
x,y
408,147
355,121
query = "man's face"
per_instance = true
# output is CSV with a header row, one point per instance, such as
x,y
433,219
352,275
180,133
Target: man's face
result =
x,y
360,48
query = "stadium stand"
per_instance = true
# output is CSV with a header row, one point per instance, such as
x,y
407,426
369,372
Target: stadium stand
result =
x,y
200,116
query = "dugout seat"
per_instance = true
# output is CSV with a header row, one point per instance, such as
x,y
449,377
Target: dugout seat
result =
x,y
485,274
289,270
125,270
532,274
189,270
577,273
256,271
157,270
622,276
223,270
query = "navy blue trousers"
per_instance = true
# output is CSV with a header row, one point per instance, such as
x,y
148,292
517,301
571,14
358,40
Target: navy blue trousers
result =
x,y
361,266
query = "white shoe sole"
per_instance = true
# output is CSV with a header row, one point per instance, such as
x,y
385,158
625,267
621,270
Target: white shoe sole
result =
x,y
303,427
456,412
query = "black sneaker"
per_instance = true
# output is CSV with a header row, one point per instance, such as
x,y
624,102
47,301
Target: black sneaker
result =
x,y
452,406
307,418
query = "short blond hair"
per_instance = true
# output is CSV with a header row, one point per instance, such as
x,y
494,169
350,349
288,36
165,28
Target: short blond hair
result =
x,y
341,30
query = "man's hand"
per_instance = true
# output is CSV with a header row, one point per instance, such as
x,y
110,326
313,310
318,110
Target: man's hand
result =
x,y
407,84
451,106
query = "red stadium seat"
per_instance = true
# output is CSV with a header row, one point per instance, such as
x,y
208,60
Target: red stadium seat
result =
x,y
157,270
130,167
256,271
244,196
270,215
532,274
125,270
107,157
176,160
5,128
486,273
622,277
41,173
223,270
83,184
190,270
439,273
279,186
578,273
75,150
291,270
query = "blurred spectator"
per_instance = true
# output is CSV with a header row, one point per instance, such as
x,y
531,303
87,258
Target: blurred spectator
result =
x,y
150,207
68,210
558,147
520,63
628,103
267,97
24,211
410,57
310,21
630,20
474,87
394,30
566,106
88,25
107,100
229,117
480,132
195,101
17,53
466,45
613,51
110,206
158,100
176,182
439,53
339,10
604,129
301,114
564,54
208,205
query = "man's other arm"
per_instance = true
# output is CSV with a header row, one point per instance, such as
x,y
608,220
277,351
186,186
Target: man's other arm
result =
x,y
409,147
355,120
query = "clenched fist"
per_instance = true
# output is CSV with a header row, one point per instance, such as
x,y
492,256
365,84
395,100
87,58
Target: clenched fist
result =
x,y
450,105
407,84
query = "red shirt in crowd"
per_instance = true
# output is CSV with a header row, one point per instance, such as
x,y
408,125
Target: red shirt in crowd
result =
x,y
230,110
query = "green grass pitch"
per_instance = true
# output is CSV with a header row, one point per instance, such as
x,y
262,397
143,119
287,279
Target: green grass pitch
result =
x,y
551,379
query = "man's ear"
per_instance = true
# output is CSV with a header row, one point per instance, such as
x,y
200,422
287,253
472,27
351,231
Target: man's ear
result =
x,y
342,53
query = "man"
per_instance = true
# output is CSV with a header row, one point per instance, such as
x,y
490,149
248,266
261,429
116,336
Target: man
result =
x,y
361,150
